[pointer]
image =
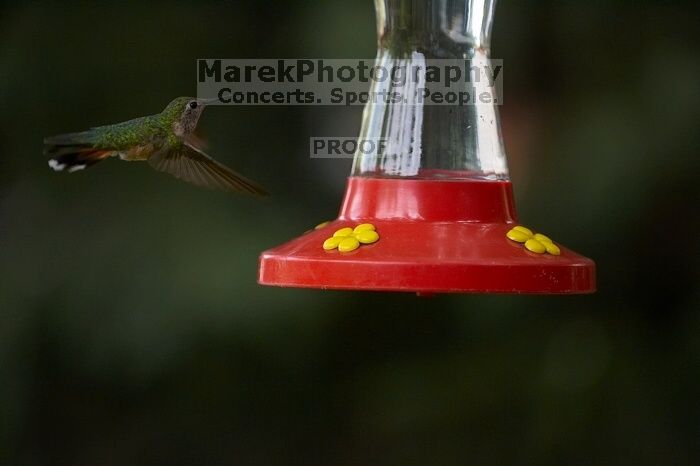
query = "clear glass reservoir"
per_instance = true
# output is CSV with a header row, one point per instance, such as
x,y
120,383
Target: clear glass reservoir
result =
x,y
421,139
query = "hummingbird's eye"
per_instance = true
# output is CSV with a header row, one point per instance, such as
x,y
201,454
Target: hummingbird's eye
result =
x,y
193,105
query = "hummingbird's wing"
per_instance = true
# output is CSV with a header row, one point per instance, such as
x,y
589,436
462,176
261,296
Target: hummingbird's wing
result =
x,y
194,166
195,142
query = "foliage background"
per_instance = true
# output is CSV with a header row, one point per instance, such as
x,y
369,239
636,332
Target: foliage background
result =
x,y
131,327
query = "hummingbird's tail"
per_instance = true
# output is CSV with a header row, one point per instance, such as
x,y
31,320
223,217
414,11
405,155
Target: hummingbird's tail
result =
x,y
69,152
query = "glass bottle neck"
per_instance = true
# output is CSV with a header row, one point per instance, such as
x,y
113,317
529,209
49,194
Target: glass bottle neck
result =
x,y
435,28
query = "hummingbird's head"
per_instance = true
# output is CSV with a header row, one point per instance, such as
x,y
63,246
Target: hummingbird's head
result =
x,y
185,113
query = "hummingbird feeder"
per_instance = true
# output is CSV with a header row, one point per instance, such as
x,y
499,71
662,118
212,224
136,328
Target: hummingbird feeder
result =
x,y
433,210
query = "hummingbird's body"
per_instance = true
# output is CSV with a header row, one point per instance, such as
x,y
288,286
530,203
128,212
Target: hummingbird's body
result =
x,y
165,140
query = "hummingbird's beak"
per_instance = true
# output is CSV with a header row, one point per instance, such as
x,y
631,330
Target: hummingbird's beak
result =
x,y
208,101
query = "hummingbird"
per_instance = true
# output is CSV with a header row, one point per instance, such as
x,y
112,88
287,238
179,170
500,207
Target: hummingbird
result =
x,y
165,140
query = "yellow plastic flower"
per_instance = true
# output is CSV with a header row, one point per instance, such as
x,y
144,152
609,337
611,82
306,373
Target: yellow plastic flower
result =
x,y
348,239
534,242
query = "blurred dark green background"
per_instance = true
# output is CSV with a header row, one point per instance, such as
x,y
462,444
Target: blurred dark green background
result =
x,y
132,330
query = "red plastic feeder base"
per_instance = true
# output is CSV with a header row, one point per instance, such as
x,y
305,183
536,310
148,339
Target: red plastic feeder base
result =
x,y
436,236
